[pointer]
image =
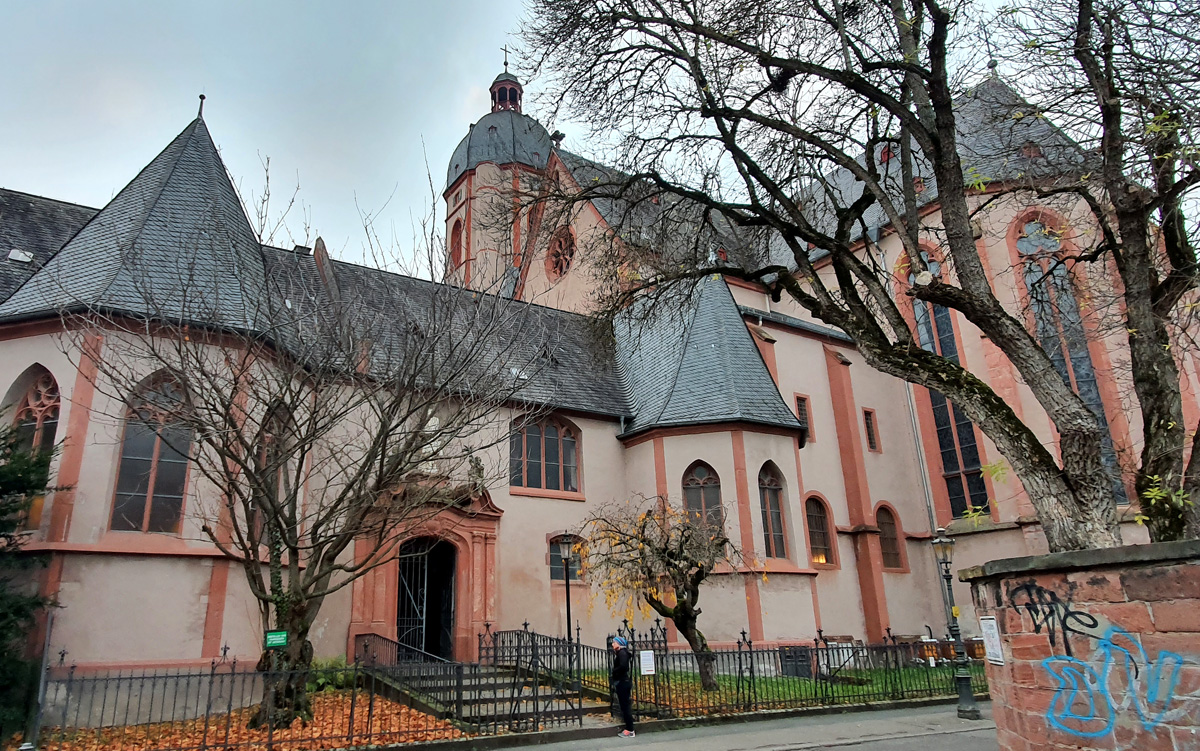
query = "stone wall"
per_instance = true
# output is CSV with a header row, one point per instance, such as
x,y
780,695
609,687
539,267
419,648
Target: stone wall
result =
x,y
1101,648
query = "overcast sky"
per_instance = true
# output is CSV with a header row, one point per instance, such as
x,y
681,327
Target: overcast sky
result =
x,y
339,95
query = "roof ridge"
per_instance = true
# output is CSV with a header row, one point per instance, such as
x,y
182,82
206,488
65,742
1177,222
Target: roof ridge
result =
x,y
94,217
389,272
163,183
48,198
724,351
689,327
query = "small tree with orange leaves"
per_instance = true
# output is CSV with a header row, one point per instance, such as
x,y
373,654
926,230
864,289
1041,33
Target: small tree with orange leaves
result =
x,y
654,556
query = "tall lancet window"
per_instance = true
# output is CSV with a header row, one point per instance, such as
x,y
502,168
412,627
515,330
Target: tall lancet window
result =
x,y
957,445
1059,329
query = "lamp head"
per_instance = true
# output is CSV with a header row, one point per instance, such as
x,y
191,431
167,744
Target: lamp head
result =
x,y
943,547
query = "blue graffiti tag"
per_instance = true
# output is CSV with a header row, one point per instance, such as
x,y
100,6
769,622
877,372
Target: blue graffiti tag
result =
x,y
1084,704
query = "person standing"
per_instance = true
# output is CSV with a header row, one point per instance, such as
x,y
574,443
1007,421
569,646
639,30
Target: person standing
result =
x,y
621,680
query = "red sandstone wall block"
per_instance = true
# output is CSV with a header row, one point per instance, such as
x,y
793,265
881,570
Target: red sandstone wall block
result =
x,y
1187,644
1177,615
1030,646
1095,586
1167,583
1186,738
1130,734
1012,622
1134,617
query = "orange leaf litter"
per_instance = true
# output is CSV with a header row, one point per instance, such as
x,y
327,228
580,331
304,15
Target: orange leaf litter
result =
x,y
329,728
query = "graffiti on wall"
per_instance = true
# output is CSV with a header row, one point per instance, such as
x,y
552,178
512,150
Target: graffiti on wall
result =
x,y
1051,613
1090,696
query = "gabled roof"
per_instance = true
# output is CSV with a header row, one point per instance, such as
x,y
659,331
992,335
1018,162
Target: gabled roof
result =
x,y
37,226
174,230
695,362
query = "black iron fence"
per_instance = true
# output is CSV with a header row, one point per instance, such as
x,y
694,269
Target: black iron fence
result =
x,y
229,706
522,682
747,678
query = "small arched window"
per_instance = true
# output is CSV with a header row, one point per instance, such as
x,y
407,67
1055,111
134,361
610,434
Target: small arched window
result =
x,y
512,95
568,545
889,538
456,242
770,493
702,495
820,543
503,94
544,454
36,419
152,476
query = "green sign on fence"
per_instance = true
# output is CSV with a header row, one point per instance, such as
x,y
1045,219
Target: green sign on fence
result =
x,y
275,640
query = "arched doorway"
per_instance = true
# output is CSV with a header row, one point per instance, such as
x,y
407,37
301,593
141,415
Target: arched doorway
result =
x,y
425,596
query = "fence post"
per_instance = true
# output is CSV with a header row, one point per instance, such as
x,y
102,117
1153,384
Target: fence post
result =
x,y
353,701
458,690
212,677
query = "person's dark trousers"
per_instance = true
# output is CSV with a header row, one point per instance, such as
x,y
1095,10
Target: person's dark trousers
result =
x,y
623,689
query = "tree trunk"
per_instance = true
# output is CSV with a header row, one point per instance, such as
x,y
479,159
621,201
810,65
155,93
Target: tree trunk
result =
x,y
706,660
285,677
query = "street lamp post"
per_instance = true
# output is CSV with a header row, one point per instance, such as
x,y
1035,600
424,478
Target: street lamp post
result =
x,y
943,547
568,570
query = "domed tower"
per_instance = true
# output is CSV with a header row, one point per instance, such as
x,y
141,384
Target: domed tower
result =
x,y
505,149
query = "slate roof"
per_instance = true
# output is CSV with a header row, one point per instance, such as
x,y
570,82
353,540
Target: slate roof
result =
x,y
173,243
503,137
563,355
697,364
993,123
38,226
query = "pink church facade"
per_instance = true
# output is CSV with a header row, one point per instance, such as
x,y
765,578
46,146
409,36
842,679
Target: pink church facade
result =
x,y
830,476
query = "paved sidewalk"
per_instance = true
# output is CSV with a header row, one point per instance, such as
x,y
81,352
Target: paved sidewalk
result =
x,y
934,728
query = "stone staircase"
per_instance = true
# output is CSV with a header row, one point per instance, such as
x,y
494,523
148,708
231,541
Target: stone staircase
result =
x,y
514,688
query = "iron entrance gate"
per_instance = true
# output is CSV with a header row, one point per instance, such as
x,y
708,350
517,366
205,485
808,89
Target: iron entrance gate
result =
x,y
425,607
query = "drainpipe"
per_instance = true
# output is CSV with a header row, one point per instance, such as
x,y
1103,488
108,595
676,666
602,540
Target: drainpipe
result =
x,y
925,482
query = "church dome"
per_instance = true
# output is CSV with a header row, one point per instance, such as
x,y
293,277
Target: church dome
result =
x,y
504,136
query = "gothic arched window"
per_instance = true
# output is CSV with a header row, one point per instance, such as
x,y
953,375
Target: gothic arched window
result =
x,y
820,543
702,494
544,454
36,419
957,443
770,494
152,476
1059,329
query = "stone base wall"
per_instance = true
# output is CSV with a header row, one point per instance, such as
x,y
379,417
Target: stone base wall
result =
x,y
1101,648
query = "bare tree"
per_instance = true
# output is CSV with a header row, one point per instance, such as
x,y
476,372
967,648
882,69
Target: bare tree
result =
x,y
659,554
777,141
324,410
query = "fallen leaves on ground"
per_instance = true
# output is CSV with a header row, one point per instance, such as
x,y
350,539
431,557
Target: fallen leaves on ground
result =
x,y
377,722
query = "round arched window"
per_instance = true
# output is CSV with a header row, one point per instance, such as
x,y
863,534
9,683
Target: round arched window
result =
x,y
560,255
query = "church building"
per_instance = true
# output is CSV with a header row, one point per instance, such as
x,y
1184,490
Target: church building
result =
x,y
830,477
